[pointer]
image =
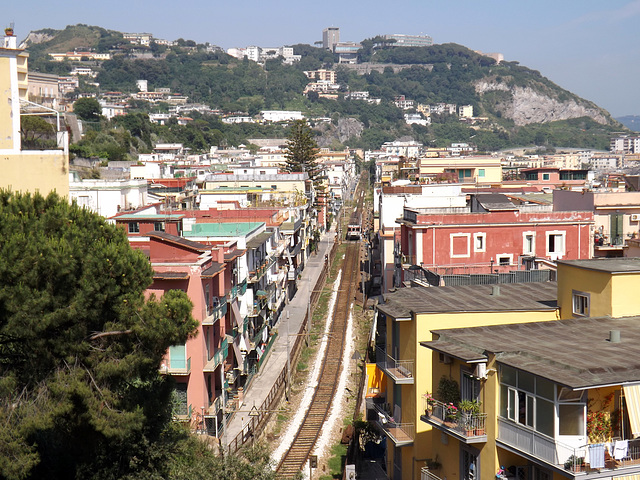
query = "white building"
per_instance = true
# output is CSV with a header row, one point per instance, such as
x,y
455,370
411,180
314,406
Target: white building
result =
x,y
465,111
416,119
280,115
106,197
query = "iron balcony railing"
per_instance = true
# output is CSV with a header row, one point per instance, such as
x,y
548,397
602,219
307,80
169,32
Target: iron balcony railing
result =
x,y
216,311
401,371
399,433
218,356
177,367
448,417
425,474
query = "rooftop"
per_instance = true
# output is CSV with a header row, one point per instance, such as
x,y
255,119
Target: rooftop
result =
x,y
608,265
404,302
561,351
236,229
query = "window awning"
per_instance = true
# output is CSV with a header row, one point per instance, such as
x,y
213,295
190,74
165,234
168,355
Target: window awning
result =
x,y
632,398
236,320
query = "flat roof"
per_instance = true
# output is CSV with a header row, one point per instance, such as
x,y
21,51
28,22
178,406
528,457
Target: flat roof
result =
x,y
259,239
235,229
150,216
608,265
576,353
470,298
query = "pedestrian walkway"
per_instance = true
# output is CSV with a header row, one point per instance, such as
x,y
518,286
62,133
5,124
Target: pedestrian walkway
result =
x,y
289,326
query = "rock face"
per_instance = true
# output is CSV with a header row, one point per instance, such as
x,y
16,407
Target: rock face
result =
x,y
528,105
36,37
344,130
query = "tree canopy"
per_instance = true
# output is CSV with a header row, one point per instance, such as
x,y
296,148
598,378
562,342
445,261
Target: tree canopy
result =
x,y
80,347
87,109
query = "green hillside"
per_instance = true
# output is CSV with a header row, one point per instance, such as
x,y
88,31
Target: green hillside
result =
x,y
520,107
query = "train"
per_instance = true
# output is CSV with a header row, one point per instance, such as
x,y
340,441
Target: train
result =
x,y
354,228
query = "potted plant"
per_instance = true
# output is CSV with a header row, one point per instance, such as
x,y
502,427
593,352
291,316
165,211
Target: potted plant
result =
x,y
430,403
574,464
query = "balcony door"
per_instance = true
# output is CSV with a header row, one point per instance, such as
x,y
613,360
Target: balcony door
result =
x,y
469,464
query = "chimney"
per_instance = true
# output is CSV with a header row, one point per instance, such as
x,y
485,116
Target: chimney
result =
x,y
614,336
495,290
9,38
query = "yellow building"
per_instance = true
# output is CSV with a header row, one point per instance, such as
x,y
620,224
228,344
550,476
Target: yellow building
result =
x,y
405,319
541,400
25,170
475,169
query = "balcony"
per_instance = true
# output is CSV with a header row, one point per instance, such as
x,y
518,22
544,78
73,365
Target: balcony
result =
x,y
218,356
566,459
400,434
466,427
215,313
401,371
233,294
258,273
425,474
176,367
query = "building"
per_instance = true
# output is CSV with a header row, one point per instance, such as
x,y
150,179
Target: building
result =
x,y
404,40
492,235
24,170
347,52
280,115
44,90
465,111
108,197
330,36
477,169
322,75
513,381
625,144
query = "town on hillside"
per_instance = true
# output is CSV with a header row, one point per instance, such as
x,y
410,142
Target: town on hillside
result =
x,y
496,288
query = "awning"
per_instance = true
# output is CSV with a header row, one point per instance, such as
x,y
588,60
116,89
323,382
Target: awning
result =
x,y
261,293
236,320
632,398
239,359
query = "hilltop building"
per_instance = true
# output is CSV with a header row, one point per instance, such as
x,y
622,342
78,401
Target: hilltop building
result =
x,y
404,40
330,36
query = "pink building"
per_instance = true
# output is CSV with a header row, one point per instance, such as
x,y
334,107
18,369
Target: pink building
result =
x,y
493,235
209,366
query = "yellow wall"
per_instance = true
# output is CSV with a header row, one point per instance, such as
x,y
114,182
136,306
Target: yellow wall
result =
x,y
427,442
6,113
610,294
43,171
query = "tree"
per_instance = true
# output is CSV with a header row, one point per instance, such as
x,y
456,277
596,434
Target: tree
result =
x,y
36,132
80,347
301,150
87,109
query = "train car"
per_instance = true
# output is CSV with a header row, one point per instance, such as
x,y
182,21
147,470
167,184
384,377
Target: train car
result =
x,y
354,228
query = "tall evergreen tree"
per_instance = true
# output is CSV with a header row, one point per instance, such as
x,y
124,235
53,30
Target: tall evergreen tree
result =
x,y
301,151
80,346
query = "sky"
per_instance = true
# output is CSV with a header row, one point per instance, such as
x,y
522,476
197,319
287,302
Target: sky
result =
x,y
590,47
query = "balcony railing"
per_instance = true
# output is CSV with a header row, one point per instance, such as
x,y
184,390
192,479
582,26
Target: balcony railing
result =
x,y
177,367
218,357
216,312
467,426
399,433
575,460
425,474
400,370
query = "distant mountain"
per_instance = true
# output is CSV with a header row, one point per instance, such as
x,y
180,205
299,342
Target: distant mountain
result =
x,y
632,122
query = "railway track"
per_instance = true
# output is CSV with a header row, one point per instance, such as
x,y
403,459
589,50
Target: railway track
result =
x,y
294,460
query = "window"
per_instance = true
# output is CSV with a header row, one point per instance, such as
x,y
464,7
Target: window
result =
x,y
546,176
479,242
481,172
134,227
580,304
505,259
459,245
555,243
158,226
529,243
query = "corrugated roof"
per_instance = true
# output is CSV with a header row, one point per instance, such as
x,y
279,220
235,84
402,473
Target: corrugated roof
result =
x,y
493,202
212,270
470,298
575,352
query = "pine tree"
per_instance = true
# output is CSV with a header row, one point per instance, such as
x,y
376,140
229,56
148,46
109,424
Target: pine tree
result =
x,y
302,150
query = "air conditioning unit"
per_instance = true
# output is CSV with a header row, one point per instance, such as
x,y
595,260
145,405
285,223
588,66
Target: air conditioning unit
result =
x,y
480,371
635,217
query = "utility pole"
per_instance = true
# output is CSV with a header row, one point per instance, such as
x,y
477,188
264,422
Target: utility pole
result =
x,y
288,361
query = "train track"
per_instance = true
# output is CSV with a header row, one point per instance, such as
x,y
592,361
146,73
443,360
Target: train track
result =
x,y
295,458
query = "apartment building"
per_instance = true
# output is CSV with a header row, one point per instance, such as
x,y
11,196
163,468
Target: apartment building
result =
x,y
517,381
330,36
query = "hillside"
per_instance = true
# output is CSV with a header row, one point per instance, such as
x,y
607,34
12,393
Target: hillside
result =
x,y
632,122
520,107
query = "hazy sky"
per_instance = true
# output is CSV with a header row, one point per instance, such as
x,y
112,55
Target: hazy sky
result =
x,y
590,47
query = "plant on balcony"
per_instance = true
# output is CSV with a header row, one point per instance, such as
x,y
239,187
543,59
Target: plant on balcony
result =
x,y
599,422
448,390
574,463
431,402
451,412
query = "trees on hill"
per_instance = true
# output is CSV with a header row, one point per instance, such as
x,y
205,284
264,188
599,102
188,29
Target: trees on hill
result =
x,y
80,347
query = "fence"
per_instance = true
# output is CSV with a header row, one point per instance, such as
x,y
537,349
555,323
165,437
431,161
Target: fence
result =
x,y
514,276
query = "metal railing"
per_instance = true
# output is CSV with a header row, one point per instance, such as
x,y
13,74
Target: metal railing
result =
x,y
400,370
216,312
400,433
465,423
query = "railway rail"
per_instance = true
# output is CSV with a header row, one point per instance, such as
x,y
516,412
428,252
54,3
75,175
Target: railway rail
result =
x,y
293,461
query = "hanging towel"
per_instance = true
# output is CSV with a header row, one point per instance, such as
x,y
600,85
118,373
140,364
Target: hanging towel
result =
x,y
620,449
596,455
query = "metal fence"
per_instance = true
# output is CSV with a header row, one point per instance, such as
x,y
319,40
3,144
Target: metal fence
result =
x,y
515,276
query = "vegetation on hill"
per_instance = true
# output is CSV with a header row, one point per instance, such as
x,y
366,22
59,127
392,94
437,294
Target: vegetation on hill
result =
x,y
447,73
